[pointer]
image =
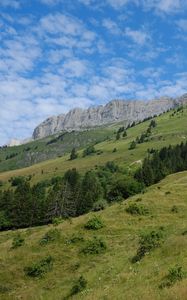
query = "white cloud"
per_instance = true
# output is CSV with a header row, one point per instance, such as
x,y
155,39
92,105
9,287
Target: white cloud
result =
x,y
111,26
165,6
139,37
10,3
182,24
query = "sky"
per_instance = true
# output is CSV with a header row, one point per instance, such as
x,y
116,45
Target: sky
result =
x,y
59,54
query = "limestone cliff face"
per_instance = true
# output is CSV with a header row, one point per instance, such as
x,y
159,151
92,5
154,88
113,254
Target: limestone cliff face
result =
x,y
112,112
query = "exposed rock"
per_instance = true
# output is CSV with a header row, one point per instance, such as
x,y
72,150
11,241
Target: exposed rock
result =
x,y
114,111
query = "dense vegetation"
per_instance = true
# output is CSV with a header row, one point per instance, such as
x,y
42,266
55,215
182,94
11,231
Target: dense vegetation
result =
x,y
135,248
74,195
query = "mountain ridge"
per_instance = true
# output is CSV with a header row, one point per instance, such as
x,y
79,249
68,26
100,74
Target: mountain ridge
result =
x,y
128,111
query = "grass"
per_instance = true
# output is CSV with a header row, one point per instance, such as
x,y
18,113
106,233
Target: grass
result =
x,y
169,130
109,274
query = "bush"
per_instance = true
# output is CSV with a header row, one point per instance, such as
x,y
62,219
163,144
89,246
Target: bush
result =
x,y
148,242
75,238
123,188
79,286
94,224
174,209
135,209
18,241
56,221
89,150
95,246
99,205
175,274
50,236
40,268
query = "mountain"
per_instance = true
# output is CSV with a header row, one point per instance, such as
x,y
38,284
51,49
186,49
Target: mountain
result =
x,y
113,112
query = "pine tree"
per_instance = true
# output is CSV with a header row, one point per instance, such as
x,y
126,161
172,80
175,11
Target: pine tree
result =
x,y
73,154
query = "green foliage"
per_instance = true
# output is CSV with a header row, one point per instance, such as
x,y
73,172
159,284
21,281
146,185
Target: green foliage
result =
x,y
56,221
99,205
39,269
135,209
4,221
111,166
51,236
75,238
18,241
122,188
79,286
15,181
174,209
132,145
162,163
94,224
89,150
148,242
94,246
118,136
91,192
175,274
73,154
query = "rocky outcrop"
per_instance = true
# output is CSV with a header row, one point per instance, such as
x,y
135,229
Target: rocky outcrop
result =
x,y
113,112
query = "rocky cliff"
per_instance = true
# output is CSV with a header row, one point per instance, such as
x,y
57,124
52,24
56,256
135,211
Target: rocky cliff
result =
x,y
114,111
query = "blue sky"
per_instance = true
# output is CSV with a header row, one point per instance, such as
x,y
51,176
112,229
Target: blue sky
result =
x,y
60,54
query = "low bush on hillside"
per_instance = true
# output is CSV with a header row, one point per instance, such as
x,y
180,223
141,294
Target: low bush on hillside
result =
x,y
135,209
175,274
18,241
50,236
79,286
99,205
94,224
75,238
56,221
39,269
95,246
174,209
148,242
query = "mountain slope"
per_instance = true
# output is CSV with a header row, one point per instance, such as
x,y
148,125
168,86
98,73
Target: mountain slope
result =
x,y
113,112
110,275
171,129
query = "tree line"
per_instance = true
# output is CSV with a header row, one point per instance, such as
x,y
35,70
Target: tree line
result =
x,y
161,163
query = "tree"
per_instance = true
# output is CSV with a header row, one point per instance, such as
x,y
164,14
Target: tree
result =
x,y
89,150
132,145
125,133
91,191
73,154
118,136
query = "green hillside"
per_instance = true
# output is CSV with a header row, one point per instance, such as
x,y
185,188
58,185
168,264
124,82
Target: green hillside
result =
x,y
109,274
171,129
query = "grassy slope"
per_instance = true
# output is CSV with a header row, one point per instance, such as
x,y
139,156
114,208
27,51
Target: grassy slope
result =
x,y
110,275
170,130
51,147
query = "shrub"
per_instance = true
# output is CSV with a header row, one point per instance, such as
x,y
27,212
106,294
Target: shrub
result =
x,y
135,209
79,286
50,236
99,205
94,224
132,145
56,221
174,209
123,188
95,246
75,238
148,242
184,232
18,241
40,268
175,274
